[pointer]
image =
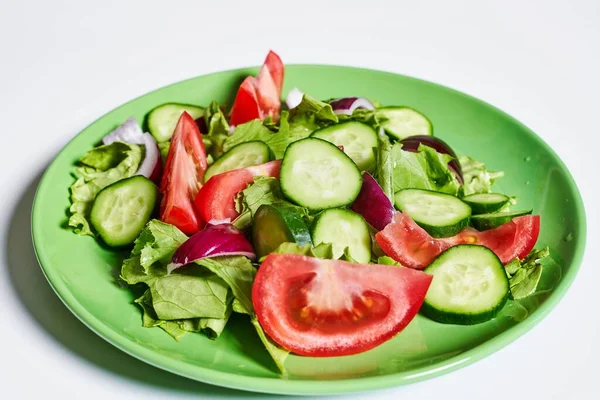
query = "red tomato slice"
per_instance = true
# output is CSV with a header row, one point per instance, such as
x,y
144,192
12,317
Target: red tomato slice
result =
x,y
413,247
245,107
513,239
184,172
324,308
270,83
216,199
260,97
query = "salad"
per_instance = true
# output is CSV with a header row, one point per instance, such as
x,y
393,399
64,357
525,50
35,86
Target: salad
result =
x,y
329,223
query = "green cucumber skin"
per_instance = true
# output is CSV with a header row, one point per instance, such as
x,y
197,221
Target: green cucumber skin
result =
x,y
446,317
450,317
485,208
107,237
433,230
292,222
151,115
484,222
446,231
213,169
394,135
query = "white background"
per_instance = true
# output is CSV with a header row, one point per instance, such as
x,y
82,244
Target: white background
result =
x,y
63,64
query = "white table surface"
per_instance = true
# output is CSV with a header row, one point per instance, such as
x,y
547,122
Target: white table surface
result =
x,y
63,64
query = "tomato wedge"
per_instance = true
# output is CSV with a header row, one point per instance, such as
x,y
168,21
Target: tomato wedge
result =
x,y
409,244
325,308
260,97
216,199
184,172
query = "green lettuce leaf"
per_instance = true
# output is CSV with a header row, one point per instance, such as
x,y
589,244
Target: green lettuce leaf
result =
x,y
278,354
212,327
151,252
323,250
238,273
218,130
150,320
524,275
312,107
99,168
264,190
190,292
255,130
385,167
296,128
477,179
385,260
425,169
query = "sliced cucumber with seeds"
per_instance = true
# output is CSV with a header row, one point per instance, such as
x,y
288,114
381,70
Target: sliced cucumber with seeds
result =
x,y
343,229
317,175
469,286
440,214
484,222
162,119
482,203
242,155
402,122
358,140
121,210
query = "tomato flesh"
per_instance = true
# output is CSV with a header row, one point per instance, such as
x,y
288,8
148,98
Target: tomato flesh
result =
x,y
413,247
216,199
324,308
181,180
260,97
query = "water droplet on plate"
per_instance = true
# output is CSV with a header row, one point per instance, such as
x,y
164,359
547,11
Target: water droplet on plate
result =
x,y
527,159
569,237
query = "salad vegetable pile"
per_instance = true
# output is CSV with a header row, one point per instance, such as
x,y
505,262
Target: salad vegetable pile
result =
x,y
331,224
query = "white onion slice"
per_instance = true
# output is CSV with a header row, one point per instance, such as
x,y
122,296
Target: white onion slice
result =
x,y
129,132
294,98
347,105
152,157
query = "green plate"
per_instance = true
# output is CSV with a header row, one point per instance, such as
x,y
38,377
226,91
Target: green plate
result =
x,y
81,271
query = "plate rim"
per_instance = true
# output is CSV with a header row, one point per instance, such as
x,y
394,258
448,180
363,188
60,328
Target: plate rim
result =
x,y
313,386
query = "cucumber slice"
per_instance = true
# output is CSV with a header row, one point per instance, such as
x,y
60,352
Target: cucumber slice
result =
x,y
402,122
343,229
317,175
440,214
482,203
483,222
469,286
358,140
242,155
275,224
162,119
121,210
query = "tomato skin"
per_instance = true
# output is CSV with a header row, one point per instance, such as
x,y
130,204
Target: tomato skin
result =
x,y
413,247
182,177
513,239
260,97
282,280
216,199
245,107
275,66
